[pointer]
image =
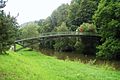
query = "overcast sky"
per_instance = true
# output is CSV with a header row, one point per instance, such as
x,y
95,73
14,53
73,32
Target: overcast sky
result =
x,y
30,10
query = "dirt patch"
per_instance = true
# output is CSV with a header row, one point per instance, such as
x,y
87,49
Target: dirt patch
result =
x,y
3,75
8,75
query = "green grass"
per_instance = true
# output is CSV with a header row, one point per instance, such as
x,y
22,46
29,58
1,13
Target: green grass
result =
x,y
32,65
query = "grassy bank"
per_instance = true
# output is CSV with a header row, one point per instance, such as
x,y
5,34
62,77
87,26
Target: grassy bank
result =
x,y
32,65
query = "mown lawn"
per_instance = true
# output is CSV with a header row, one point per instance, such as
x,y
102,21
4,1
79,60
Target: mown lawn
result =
x,y
32,65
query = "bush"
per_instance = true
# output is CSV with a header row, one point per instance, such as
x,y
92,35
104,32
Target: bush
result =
x,y
109,49
87,27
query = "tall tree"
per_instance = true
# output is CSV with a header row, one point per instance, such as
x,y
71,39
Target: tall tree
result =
x,y
81,11
72,13
60,15
107,20
29,30
8,31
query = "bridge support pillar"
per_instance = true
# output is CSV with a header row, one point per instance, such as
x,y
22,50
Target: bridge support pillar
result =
x,y
14,47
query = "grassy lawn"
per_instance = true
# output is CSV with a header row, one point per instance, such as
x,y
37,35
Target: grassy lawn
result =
x,y
32,65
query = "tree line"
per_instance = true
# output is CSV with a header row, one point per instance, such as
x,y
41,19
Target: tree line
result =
x,y
96,16
67,17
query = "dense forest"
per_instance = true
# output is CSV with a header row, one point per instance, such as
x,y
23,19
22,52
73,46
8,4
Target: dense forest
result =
x,y
95,16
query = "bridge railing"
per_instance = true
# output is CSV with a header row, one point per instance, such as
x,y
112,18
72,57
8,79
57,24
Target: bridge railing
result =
x,y
55,33
68,33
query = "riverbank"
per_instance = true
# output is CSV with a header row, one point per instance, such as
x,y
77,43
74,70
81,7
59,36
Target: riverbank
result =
x,y
32,65
76,56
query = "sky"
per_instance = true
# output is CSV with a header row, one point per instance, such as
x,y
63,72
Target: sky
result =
x,y
31,10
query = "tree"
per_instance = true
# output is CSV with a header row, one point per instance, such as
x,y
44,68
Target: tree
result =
x,y
63,44
44,27
8,31
107,20
29,30
72,14
60,15
81,11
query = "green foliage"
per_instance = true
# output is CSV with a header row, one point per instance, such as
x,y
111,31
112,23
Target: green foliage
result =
x,y
61,43
86,10
107,20
60,15
45,26
78,12
79,46
29,30
86,27
109,49
41,24
8,28
81,11
73,8
62,28
87,45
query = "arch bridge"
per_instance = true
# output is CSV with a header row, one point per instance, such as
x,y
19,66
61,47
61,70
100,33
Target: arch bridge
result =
x,y
50,35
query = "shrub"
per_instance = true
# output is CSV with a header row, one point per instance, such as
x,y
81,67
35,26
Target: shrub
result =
x,y
109,49
87,27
